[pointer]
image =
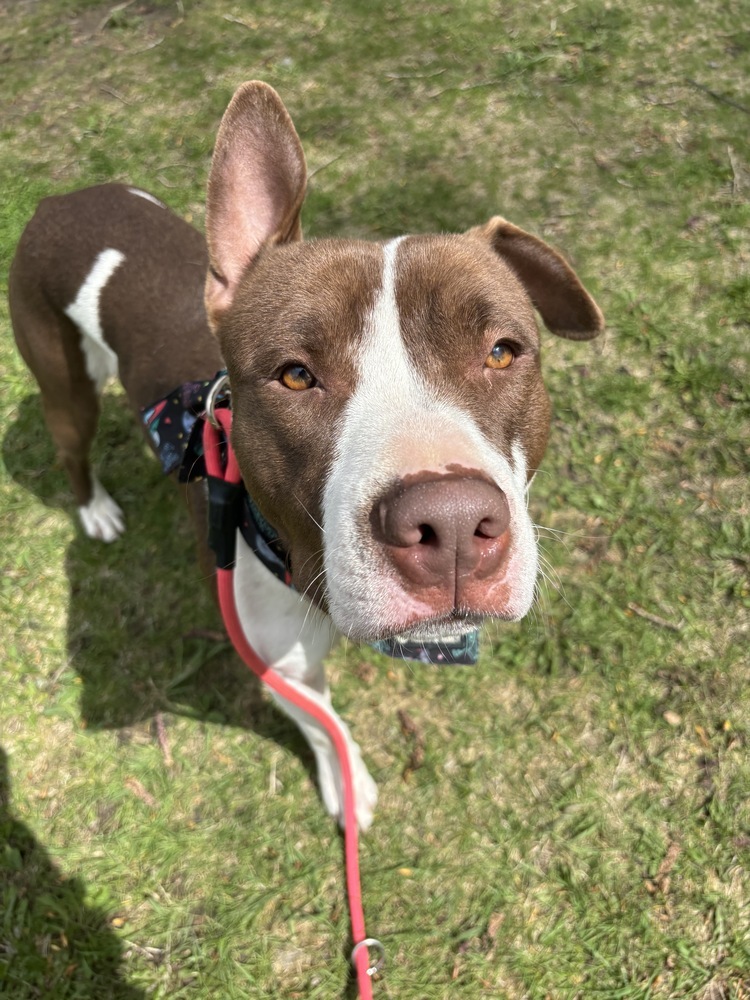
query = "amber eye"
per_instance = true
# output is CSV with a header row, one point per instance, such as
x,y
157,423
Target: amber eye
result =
x,y
297,377
501,356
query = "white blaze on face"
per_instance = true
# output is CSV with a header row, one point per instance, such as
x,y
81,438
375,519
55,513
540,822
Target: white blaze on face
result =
x,y
396,424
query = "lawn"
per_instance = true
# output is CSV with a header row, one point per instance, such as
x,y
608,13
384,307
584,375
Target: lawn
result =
x,y
571,817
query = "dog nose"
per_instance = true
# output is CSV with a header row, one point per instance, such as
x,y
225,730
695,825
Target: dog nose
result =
x,y
443,528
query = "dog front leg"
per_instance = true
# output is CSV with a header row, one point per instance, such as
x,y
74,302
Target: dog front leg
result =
x,y
329,770
294,637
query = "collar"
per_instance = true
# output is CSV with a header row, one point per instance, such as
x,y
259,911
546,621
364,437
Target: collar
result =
x,y
174,425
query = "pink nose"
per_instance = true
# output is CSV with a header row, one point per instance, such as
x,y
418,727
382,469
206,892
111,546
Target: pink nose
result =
x,y
443,530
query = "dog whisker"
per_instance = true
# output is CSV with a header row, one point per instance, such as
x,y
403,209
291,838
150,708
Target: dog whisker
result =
x,y
314,521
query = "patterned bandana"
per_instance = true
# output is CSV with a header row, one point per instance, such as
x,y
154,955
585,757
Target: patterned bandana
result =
x,y
175,427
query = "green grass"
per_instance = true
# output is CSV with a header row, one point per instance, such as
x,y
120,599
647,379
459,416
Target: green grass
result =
x,y
580,823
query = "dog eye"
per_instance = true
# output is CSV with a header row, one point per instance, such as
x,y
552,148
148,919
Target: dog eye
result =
x,y
297,377
501,356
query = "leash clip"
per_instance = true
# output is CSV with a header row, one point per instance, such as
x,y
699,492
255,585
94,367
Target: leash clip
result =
x,y
219,390
379,963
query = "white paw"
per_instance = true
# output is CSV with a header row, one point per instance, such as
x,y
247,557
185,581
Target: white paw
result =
x,y
365,797
101,517
332,792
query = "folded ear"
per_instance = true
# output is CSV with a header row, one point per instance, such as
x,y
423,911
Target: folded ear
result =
x,y
255,189
552,285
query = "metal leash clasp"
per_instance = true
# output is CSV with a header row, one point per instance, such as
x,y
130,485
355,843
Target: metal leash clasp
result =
x,y
219,389
368,943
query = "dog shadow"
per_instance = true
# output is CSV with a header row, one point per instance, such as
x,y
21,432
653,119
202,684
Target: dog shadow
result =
x,y
143,631
51,936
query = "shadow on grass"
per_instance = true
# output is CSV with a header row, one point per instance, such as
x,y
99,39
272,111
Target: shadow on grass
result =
x,y
144,634
51,943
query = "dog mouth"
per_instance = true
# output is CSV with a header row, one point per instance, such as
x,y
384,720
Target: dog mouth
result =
x,y
440,628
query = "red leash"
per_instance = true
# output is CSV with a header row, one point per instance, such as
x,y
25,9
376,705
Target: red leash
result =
x,y
230,473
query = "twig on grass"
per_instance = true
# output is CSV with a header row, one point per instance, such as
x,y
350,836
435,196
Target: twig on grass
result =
x,y
114,10
654,103
411,731
718,97
113,93
414,76
161,736
140,792
212,634
736,172
461,87
151,45
655,619
149,952
323,166
497,81
238,20
660,881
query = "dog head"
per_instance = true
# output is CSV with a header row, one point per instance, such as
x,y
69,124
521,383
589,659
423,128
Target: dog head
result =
x,y
389,408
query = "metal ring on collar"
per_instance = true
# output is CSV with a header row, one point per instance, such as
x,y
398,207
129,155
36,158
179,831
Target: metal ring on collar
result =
x,y
370,943
212,397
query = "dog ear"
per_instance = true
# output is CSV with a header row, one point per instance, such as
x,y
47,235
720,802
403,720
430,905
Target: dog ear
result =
x,y
551,283
255,189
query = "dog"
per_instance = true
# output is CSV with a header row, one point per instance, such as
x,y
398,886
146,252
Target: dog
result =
x,y
388,406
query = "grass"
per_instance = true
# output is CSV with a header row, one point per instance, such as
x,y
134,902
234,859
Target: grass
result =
x,y
579,825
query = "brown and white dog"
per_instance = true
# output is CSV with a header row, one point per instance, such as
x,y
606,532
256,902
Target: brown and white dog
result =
x,y
389,409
